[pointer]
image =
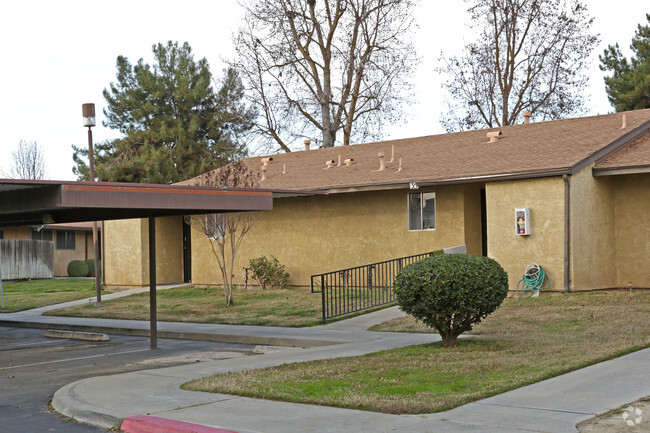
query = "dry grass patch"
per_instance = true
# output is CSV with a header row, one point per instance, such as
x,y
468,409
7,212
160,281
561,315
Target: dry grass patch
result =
x,y
524,342
285,307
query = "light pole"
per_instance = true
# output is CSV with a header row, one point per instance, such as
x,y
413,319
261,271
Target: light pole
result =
x,y
89,121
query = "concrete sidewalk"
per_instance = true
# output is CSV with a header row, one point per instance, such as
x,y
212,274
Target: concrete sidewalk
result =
x,y
555,405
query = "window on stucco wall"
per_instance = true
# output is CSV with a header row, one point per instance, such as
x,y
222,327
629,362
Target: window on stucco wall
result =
x,y
422,211
65,240
215,226
42,235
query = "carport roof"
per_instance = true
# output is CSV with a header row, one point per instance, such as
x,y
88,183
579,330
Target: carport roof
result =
x,y
24,202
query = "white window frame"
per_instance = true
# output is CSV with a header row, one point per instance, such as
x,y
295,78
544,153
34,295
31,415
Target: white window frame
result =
x,y
423,196
214,226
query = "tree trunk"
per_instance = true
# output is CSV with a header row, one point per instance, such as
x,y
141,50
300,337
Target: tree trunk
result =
x,y
449,339
328,134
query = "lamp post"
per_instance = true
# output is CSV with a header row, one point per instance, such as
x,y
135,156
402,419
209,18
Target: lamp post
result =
x,y
89,121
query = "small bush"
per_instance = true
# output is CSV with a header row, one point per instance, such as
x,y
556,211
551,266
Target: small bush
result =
x,y
77,268
91,267
452,292
269,272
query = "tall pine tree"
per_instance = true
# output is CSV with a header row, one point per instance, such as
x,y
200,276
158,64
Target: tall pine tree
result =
x,y
628,88
174,124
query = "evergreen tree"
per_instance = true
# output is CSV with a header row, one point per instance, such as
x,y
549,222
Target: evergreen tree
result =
x,y
628,88
174,124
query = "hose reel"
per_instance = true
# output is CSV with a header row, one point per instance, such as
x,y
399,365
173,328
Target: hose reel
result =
x,y
534,280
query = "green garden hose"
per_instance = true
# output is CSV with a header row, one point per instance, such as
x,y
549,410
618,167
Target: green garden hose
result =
x,y
532,281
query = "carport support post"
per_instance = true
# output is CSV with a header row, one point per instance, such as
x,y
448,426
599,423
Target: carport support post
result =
x,y
153,325
2,297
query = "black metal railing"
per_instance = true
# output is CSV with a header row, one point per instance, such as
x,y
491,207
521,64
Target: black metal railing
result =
x,y
355,289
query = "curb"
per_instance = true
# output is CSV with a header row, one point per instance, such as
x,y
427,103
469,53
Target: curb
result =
x,y
154,424
197,336
65,402
76,335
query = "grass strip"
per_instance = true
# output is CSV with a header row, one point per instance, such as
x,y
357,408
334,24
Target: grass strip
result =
x,y
284,307
525,341
25,295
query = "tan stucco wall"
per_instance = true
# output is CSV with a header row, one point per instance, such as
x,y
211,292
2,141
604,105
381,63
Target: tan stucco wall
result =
x,y
127,252
633,230
593,237
123,248
169,250
545,245
610,233
311,235
63,257
17,233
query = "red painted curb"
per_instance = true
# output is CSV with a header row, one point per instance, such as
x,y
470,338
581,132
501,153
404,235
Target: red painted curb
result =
x,y
154,424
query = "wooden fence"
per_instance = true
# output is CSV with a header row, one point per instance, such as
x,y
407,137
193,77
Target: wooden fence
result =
x,y
24,259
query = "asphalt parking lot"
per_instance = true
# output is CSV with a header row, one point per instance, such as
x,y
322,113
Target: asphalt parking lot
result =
x,y
33,367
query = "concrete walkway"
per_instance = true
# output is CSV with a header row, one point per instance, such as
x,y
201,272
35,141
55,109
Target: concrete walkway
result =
x,y
554,405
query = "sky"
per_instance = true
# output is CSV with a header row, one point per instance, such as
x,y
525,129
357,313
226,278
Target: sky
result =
x,y
58,55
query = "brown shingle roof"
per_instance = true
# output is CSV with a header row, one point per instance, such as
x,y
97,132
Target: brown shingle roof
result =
x,y
635,154
543,148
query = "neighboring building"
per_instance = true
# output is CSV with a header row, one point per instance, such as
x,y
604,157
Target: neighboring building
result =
x,y
73,241
584,182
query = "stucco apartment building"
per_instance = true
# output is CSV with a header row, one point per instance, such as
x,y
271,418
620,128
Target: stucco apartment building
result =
x,y
73,241
572,195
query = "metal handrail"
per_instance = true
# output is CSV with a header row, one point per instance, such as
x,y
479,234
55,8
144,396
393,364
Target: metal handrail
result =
x,y
359,288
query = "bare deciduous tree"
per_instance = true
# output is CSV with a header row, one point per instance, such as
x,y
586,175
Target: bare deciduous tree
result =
x,y
531,55
225,231
315,68
28,161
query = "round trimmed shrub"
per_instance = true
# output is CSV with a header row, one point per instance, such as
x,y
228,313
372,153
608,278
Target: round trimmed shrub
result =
x,y
77,268
452,292
91,267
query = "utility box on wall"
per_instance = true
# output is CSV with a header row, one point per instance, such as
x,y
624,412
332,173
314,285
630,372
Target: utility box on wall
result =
x,y
522,221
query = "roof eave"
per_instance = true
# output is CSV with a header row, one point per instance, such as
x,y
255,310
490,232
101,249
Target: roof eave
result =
x,y
414,184
617,171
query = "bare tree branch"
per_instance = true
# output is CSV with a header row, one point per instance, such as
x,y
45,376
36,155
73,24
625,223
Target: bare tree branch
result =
x,y
225,231
28,162
530,55
326,67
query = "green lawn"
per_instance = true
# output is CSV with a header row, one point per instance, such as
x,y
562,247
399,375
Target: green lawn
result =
x,y
25,295
524,342
284,307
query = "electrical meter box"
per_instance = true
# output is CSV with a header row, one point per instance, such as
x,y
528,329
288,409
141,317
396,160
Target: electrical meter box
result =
x,y
522,221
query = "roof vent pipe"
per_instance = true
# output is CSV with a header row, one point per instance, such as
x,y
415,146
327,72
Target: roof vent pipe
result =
x,y
266,161
263,173
400,166
382,164
624,121
307,143
392,154
339,164
329,164
494,136
526,115
284,168
348,162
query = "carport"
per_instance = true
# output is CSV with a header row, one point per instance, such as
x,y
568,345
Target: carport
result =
x,y
28,202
